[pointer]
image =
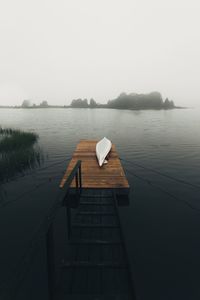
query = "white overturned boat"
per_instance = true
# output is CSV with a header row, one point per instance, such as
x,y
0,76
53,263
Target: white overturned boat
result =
x,y
103,147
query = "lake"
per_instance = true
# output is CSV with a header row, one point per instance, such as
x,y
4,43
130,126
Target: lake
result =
x,y
162,223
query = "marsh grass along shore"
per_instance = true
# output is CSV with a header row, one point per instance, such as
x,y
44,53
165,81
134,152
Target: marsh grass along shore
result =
x,y
18,152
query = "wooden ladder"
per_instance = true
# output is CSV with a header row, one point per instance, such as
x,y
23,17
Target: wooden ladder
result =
x,y
96,265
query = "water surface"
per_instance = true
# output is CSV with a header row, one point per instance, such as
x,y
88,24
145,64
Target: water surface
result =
x,y
161,231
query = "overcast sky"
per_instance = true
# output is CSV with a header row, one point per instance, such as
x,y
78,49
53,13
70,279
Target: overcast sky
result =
x,y
58,50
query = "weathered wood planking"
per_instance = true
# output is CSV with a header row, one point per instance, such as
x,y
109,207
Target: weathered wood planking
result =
x,y
109,176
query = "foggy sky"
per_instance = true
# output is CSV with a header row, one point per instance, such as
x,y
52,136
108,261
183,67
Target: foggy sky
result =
x,y
58,50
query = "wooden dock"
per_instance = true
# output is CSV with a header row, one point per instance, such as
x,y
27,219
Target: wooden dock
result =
x,y
96,264
109,176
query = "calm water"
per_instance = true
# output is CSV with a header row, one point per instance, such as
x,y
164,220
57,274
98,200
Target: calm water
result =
x,y
161,232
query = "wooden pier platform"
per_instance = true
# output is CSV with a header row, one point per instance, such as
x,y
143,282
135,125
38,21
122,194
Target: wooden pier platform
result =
x,y
109,176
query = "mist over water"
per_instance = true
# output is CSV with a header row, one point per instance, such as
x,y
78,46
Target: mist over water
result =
x,y
161,232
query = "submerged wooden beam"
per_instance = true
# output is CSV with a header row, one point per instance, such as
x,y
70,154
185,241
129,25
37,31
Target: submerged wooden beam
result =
x,y
109,176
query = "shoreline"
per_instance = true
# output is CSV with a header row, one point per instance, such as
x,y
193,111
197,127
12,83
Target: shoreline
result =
x,y
102,107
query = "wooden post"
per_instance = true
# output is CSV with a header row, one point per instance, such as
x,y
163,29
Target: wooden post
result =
x,y
77,182
80,179
68,221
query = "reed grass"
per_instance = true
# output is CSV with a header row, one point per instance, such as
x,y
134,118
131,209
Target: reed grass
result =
x,y
17,152
16,140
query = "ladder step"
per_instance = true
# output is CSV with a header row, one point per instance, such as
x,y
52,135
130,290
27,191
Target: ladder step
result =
x,y
94,226
97,196
86,264
95,242
94,213
96,203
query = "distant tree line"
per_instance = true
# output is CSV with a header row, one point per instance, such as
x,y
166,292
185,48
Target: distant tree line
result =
x,y
134,101
27,104
140,101
129,101
84,103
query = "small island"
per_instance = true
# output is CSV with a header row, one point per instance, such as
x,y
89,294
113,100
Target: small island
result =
x,y
131,101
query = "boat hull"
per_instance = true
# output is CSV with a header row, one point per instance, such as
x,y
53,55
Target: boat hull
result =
x,y
103,147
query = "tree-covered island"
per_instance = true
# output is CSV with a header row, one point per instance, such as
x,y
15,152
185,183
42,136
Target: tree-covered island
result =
x,y
132,101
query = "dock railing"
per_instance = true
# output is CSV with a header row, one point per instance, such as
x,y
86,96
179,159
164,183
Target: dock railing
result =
x,y
10,287
75,174
72,200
